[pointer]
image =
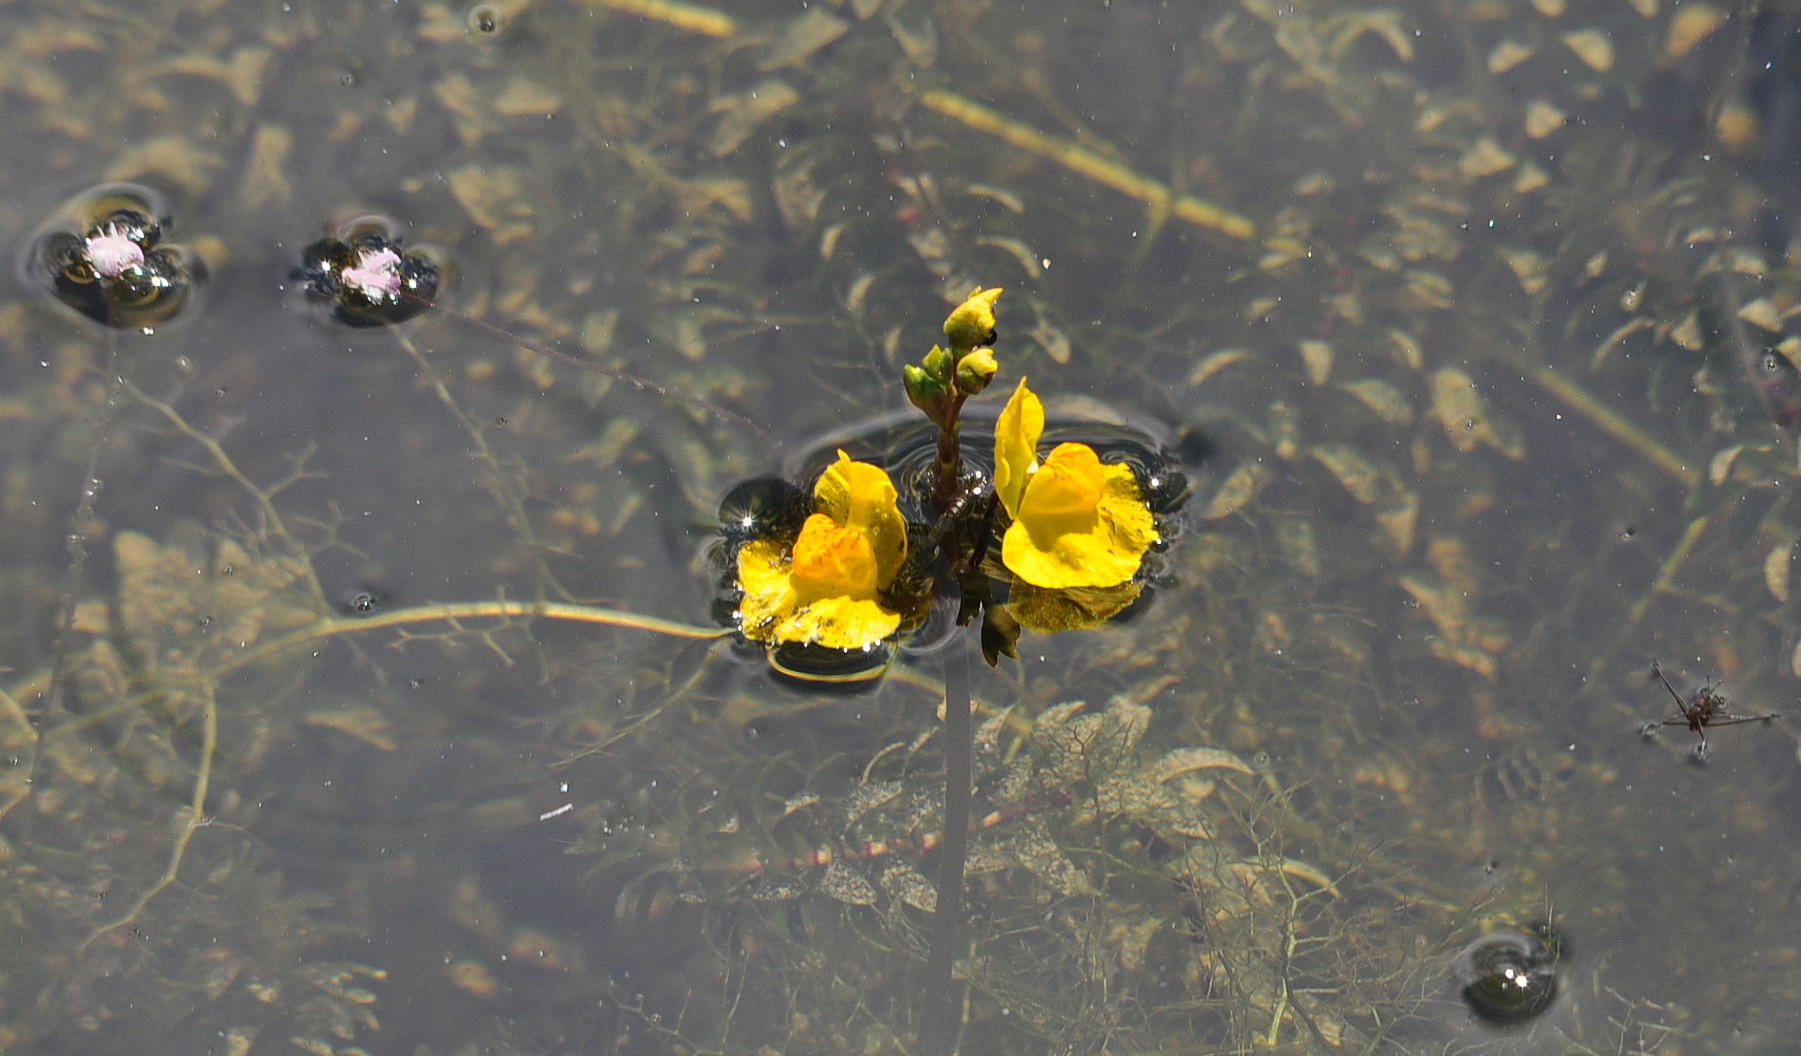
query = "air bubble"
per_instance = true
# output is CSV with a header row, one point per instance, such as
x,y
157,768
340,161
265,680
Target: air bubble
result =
x,y
363,601
1509,977
487,19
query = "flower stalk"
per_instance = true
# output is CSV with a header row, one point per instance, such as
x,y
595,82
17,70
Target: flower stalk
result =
x,y
946,377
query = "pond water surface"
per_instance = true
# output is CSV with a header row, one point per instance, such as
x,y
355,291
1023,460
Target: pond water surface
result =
x,y
1472,325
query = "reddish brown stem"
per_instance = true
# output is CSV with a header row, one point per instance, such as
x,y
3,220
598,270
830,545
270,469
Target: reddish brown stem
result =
x,y
948,472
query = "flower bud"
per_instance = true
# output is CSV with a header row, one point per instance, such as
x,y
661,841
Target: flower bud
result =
x,y
925,391
971,324
937,363
976,370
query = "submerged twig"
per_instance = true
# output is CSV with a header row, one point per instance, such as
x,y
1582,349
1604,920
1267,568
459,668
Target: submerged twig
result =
x,y
1613,424
1082,161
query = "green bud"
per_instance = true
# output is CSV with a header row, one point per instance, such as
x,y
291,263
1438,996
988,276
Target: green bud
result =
x,y
938,364
976,370
925,391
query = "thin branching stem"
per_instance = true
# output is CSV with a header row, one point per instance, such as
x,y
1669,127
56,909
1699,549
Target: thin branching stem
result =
x,y
634,380
265,504
190,822
506,493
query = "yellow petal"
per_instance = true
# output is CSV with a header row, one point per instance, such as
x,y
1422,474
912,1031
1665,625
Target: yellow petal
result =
x,y
1107,555
859,495
768,594
1064,496
1124,513
1016,436
839,623
831,560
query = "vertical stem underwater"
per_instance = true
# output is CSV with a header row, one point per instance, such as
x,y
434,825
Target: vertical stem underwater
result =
x,y
78,541
938,1026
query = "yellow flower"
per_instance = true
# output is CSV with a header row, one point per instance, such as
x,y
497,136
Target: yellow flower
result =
x,y
1076,521
824,588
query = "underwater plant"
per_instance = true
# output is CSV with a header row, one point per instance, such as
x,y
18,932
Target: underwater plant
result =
x,y
1374,361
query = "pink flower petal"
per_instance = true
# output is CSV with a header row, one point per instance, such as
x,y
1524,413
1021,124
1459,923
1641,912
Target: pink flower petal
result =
x,y
111,251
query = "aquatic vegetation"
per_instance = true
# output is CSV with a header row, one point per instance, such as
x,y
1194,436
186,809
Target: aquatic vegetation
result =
x,y
1484,382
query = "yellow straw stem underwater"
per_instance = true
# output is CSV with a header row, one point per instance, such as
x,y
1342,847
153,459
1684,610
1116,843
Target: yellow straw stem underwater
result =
x,y
691,17
331,626
1614,425
1085,162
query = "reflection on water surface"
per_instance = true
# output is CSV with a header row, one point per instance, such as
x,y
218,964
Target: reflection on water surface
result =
x,y
1475,324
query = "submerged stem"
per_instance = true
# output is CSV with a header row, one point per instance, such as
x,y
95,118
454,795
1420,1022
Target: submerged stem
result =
x,y
331,626
1615,425
937,1031
78,545
194,819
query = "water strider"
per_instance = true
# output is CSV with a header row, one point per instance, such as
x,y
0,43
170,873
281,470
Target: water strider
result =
x,y
1706,708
